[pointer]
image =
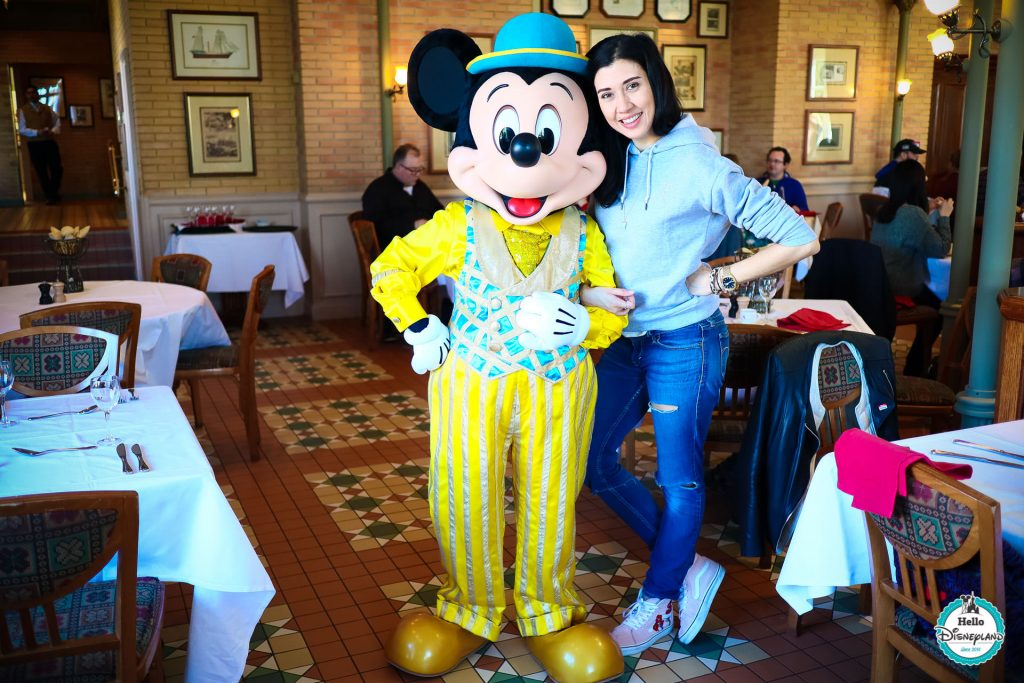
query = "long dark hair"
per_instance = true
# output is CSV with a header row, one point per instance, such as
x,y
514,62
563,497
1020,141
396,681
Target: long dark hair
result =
x,y
906,186
641,49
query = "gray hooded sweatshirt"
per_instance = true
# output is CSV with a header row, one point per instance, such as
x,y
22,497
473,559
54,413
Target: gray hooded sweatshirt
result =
x,y
678,200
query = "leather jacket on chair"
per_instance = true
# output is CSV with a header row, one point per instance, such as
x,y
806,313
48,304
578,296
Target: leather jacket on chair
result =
x,y
773,468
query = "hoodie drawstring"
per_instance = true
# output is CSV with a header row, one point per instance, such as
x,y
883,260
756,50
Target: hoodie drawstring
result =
x,y
650,167
625,183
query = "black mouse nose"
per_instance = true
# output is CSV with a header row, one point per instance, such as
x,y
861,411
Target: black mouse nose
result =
x,y
525,150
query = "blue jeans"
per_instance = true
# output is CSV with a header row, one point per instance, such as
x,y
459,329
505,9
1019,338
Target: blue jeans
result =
x,y
677,374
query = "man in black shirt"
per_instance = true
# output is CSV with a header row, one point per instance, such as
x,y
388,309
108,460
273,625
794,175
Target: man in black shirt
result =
x,y
399,201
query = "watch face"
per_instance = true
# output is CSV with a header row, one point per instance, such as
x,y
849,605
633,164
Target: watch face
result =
x,y
728,282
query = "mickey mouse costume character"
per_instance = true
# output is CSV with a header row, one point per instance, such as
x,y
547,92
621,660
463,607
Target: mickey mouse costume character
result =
x,y
518,376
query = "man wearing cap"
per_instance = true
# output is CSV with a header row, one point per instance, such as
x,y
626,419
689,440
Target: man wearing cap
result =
x,y
904,149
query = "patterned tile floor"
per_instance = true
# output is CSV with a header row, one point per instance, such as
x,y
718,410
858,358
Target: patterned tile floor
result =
x,y
336,509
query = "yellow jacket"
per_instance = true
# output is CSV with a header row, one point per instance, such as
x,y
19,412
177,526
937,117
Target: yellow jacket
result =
x,y
438,247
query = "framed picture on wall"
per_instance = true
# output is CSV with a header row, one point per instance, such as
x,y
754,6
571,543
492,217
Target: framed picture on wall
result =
x,y
214,45
570,8
51,92
713,20
673,10
107,108
630,9
687,64
597,34
81,115
828,137
219,134
439,146
832,72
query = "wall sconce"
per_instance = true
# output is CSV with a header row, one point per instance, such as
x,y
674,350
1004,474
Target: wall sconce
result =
x,y
948,12
903,87
401,79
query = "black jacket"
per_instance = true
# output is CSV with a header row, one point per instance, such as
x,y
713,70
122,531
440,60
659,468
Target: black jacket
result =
x,y
854,270
394,211
774,461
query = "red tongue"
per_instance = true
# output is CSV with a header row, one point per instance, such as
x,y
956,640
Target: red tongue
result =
x,y
523,208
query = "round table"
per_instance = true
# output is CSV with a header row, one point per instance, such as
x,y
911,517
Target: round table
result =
x,y
173,317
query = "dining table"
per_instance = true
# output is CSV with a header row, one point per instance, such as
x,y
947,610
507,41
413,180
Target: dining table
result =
x,y
829,547
187,530
780,308
238,257
174,317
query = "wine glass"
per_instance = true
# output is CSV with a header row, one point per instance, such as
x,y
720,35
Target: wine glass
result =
x,y
6,382
766,285
106,390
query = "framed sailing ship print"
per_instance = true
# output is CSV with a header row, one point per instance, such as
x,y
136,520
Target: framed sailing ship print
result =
x,y
214,45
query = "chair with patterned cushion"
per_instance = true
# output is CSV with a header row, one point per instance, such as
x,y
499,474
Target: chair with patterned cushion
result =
x,y
237,360
55,624
830,224
58,359
182,269
940,525
117,317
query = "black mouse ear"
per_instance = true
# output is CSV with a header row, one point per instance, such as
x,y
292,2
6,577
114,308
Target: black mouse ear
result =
x,y
438,80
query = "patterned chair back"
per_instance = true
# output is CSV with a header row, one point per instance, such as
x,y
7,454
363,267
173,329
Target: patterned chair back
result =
x,y
57,359
941,524
116,317
839,387
52,545
182,269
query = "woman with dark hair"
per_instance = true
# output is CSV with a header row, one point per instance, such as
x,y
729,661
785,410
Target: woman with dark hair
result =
x,y
666,202
908,240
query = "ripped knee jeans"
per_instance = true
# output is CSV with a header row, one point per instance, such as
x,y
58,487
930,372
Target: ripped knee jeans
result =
x,y
676,375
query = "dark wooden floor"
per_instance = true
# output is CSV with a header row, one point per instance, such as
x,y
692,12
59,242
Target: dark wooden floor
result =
x,y
101,214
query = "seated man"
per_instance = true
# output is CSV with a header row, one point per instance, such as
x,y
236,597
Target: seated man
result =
x,y
904,149
398,201
778,179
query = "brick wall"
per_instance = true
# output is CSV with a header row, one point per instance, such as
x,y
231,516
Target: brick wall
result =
x,y
755,36
81,62
159,102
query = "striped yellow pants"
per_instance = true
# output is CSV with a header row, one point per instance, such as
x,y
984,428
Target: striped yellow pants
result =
x,y
474,422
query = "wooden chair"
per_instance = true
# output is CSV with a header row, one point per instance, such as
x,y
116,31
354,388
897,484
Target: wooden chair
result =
x,y
941,524
182,269
5,276
116,317
58,359
237,360
365,236
55,623
831,222
869,206
1010,380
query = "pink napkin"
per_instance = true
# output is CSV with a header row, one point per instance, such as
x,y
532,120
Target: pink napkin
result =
x,y
874,471
810,320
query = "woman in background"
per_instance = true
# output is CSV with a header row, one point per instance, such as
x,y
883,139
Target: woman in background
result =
x,y
908,240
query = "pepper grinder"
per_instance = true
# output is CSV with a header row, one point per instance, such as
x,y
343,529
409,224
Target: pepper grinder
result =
x,y
44,294
58,293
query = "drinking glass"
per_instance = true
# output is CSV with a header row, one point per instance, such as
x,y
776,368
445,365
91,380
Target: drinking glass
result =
x,y
767,284
106,390
6,382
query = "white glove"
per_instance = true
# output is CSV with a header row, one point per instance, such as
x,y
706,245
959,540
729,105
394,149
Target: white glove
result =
x,y
429,346
550,321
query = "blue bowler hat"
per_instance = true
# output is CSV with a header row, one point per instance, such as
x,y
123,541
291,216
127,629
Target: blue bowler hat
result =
x,y
532,39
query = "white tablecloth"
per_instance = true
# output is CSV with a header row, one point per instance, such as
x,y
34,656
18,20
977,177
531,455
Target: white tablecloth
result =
x,y
187,530
830,544
938,276
239,257
783,307
173,317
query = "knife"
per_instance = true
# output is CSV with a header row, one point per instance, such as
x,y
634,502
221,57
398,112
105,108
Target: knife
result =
x,y
976,458
990,449
122,453
143,465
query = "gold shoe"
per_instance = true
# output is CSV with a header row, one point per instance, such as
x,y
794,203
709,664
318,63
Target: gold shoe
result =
x,y
424,645
579,654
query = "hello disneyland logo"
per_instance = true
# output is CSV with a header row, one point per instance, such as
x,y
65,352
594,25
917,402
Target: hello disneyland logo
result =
x,y
970,630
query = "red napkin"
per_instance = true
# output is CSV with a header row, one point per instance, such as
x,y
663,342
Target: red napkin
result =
x,y
904,302
808,213
810,320
874,471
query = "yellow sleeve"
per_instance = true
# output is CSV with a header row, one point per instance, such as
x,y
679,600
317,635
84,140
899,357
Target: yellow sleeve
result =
x,y
412,262
605,327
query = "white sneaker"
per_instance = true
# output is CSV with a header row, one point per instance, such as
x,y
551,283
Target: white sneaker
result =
x,y
695,597
646,622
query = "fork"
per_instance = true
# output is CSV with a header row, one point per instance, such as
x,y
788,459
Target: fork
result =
x,y
26,451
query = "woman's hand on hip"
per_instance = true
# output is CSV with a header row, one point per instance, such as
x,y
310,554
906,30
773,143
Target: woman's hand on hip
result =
x,y
699,281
